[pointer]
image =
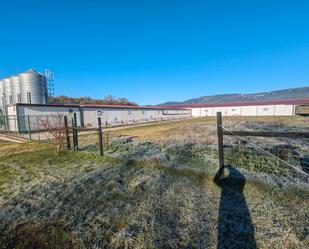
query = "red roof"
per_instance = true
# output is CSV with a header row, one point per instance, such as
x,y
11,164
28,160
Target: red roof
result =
x,y
132,107
184,106
49,105
102,106
251,103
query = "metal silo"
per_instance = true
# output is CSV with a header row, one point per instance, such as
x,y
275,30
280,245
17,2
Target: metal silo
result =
x,y
7,91
15,86
33,87
1,93
43,90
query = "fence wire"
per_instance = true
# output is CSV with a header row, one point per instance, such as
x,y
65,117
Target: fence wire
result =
x,y
287,159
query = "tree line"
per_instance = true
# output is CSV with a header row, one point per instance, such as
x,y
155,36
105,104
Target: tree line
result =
x,y
108,100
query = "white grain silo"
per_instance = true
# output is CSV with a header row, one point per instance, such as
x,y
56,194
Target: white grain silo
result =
x,y
7,91
1,94
15,86
43,89
33,87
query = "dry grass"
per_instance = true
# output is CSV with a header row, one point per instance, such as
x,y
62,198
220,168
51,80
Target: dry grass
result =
x,y
145,195
198,130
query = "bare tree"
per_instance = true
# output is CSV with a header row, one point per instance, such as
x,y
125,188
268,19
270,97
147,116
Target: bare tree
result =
x,y
54,125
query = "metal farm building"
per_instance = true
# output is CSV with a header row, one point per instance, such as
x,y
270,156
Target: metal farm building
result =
x,y
87,115
24,98
255,108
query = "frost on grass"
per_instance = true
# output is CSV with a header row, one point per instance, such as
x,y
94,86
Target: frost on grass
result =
x,y
143,195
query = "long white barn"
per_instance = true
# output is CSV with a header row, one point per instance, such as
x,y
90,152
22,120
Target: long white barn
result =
x,y
87,115
111,115
254,108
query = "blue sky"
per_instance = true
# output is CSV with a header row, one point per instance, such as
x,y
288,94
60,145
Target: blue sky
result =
x,y
154,51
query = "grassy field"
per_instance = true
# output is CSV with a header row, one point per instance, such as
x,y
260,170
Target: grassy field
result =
x,y
201,130
157,191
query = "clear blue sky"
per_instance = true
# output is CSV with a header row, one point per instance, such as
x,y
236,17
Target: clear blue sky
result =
x,y
152,51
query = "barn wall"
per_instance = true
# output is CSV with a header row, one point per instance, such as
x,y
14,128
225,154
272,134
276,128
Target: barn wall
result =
x,y
223,110
248,110
258,110
88,116
196,112
206,112
12,123
42,114
266,110
284,110
233,111
11,110
114,116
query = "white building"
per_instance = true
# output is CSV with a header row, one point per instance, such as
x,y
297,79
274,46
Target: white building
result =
x,y
254,108
20,115
120,115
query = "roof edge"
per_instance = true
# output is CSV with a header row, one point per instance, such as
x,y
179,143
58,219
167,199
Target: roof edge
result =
x,y
249,103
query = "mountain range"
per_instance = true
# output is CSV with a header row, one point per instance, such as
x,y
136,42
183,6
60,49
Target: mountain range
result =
x,y
291,93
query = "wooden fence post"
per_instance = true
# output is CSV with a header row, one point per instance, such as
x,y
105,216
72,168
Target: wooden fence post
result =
x,y
100,137
67,134
220,140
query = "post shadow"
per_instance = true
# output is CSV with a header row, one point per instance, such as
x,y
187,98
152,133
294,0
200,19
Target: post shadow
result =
x,y
235,229
304,163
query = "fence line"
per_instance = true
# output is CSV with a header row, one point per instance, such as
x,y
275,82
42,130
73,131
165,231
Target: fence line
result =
x,y
222,130
263,150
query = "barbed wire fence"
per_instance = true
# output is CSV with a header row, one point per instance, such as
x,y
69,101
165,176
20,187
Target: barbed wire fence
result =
x,y
280,155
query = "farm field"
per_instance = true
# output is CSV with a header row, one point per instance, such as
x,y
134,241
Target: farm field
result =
x,y
203,130
156,187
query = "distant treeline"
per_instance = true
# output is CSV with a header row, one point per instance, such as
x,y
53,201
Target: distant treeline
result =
x,y
108,100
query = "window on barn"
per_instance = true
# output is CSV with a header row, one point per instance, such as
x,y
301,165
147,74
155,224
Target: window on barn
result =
x,y
206,110
233,110
143,112
265,109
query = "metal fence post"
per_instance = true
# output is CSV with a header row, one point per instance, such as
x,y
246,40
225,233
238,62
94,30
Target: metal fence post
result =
x,y
16,124
67,134
75,138
38,127
220,140
100,137
29,128
4,124
5,119
75,119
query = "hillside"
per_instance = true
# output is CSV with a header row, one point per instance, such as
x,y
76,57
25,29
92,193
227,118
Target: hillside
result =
x,y
291,93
